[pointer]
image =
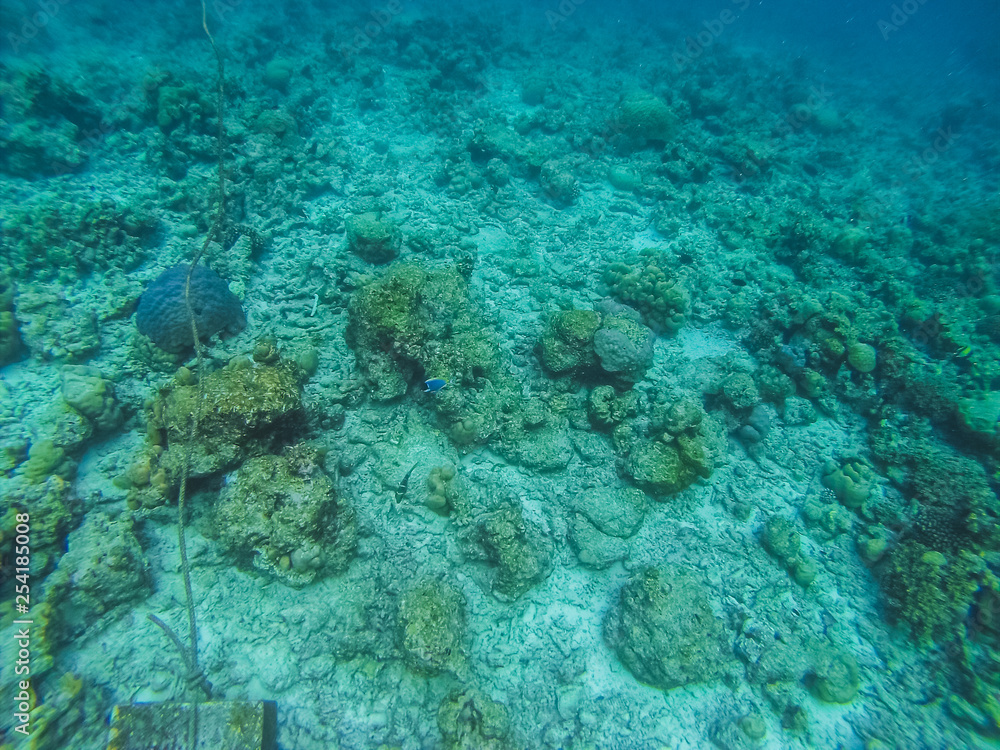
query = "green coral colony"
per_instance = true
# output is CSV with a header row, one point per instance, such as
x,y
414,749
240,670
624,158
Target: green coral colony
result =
x,y
699,435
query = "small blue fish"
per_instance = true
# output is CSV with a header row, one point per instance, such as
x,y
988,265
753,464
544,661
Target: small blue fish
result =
x,y
434,385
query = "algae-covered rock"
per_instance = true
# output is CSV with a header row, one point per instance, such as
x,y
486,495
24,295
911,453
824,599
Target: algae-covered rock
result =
x,y
826,520
431,627
470,720
593,548
282,515
53,510
567,344
606,408
780,538
981,416
558,182
104,567
740,392
373,237
774,654
617,511
86,390
517,549
247,409
54,329
534,437
412,324
659,468
62,234
664,631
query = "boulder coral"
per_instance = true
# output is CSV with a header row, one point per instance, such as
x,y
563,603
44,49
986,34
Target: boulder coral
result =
x,y
676,456
162,313
852,481
607,343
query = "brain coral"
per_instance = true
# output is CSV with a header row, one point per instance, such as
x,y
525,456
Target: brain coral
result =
x,y
645,116
162,314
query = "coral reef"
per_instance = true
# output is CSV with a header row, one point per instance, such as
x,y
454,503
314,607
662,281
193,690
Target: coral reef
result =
x,y
928,591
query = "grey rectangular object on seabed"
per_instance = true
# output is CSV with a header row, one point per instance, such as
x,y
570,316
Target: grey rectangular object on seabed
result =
x,y
222,725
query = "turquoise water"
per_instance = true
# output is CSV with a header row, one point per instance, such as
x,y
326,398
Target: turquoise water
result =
x,y
714,296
